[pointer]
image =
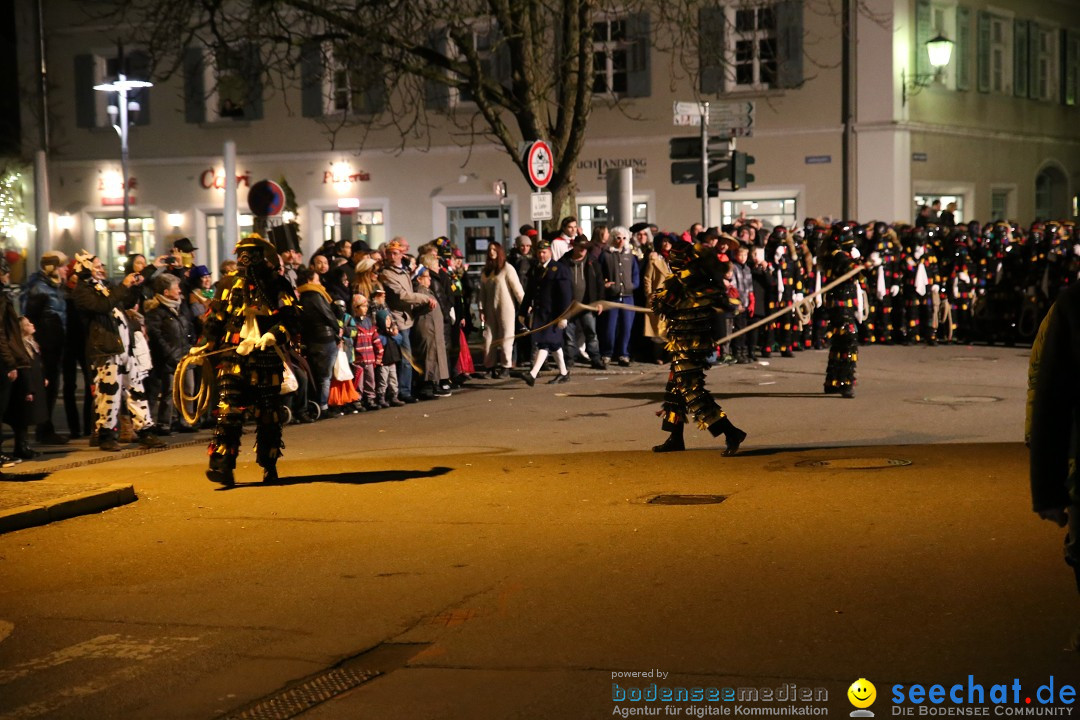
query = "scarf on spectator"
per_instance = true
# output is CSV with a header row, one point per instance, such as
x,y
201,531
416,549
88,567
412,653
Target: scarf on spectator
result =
x,y
173,305
315,288
31,346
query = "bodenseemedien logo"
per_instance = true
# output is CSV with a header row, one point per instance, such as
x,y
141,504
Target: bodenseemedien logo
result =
x,y
862,695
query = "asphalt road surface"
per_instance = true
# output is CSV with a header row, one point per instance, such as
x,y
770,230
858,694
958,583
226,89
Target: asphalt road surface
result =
x,y
496,555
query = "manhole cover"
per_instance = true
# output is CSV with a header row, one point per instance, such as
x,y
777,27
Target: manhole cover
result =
x,y
854,463
959,399
687,500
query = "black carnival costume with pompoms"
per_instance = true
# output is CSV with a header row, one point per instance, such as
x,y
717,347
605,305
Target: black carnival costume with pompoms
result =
x,y
688,302
255,313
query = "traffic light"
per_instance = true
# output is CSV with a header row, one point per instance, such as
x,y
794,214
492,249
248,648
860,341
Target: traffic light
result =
x,y
686,152
713,187
739,177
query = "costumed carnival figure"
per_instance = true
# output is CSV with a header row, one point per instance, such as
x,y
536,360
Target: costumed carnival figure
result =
x,y
257,312
844,306
688,301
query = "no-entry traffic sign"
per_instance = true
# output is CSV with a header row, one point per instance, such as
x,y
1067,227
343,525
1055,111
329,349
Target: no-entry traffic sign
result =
x,y
539,161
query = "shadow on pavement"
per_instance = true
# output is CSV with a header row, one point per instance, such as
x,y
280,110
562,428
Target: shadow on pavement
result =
x,y
354,478
23,477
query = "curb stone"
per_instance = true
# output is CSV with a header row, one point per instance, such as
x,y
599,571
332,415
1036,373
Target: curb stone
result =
x,y
67,506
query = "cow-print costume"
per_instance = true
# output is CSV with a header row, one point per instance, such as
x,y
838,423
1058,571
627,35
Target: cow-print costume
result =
x,y
257,311
116,352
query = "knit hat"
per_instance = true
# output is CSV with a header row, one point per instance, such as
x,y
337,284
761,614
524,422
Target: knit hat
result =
x,y
84,261
365,264
52,261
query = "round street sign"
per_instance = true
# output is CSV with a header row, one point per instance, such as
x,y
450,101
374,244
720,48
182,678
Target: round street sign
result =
x,y
539,161
266,198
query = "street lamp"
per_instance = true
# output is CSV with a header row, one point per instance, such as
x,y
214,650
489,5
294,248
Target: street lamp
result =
x,y
940,51
120,115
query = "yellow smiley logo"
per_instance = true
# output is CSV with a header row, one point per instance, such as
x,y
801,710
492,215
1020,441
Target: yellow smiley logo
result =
x,y
862,693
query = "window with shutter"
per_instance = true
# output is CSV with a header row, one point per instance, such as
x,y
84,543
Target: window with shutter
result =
x,y
231,82
1043,63
752,46
91,106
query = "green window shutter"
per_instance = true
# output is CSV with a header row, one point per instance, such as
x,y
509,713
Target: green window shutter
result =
x,y
501,62
253,71
1020,58
138,68
982,51
1070,67
963,48
639,72
789,43
923,19
85,102
711,26
194,85
312,68
1034,50
437,94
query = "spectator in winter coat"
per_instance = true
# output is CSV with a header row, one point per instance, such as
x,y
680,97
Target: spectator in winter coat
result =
x,y
170,335
404,302
27,404
13,355
369,353
110,350
587,284
500,295
386,383
319,329
621,278
45,304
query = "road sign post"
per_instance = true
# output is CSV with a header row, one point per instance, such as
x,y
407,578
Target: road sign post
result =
x,y
539,162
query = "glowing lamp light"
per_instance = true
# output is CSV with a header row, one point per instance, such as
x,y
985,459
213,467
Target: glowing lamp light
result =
x,y
176,219
65,222
940,51
288,216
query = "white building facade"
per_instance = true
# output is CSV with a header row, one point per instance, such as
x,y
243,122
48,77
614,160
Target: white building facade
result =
x,y
870,133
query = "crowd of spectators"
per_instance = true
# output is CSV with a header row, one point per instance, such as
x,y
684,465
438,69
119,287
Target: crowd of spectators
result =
x,y
383,327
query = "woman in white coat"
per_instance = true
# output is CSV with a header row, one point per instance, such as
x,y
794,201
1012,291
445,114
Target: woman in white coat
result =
x,y
500,295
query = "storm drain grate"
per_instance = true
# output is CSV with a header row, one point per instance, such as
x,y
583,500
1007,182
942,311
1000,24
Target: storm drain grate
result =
x,y
687,500
298,699
870,463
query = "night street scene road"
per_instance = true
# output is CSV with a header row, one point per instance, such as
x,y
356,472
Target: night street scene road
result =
x,y
539,361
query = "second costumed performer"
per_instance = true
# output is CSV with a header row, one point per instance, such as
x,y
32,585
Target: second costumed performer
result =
x,y
257,311
688,302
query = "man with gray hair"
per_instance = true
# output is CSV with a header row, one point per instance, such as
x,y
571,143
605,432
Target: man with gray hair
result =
x,y
621,278
170,336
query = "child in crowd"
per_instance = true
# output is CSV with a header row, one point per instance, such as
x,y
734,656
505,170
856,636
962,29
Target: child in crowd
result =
x,y
386,381
344,399
27,405
369,353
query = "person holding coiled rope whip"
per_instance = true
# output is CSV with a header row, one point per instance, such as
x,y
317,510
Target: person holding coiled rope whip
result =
x,y
688,301
844,305
244,330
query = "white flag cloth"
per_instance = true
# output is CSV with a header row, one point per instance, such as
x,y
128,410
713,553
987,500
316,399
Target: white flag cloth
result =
x,y
881,289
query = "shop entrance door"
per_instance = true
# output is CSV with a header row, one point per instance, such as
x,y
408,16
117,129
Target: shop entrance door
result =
x,y
472,230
